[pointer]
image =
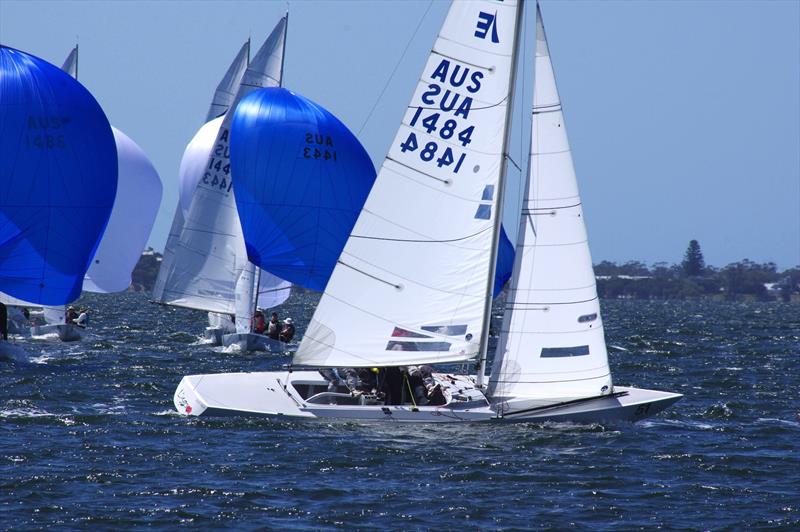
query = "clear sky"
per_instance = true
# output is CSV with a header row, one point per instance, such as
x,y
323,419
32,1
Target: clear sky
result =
x,y
684,116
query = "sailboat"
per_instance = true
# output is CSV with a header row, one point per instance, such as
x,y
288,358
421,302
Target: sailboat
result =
x,y
413,284
136,204
205,264
58,156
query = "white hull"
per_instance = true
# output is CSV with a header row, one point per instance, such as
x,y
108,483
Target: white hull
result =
x,y
253,342
303,394
67,332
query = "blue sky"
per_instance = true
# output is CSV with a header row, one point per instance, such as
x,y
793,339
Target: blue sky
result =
x,y
684,116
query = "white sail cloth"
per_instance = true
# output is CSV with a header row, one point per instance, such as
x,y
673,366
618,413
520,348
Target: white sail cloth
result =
x,y
135,207
552,344
210,255
411,282
229,84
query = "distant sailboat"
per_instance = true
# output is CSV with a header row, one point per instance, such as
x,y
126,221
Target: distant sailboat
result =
x,y
414,283
57,149
205,264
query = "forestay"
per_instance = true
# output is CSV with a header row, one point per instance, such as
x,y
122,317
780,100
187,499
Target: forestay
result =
x,y
59,172
301,180
210,254
411,283
551,345
137,201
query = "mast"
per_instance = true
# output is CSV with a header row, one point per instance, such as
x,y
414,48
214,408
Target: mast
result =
x,y
498,213
76,59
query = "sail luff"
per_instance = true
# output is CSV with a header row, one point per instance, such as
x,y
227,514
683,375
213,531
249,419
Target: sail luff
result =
x,y
498,218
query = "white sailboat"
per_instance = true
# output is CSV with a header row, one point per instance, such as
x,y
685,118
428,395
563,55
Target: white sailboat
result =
x,y
413,284
205,258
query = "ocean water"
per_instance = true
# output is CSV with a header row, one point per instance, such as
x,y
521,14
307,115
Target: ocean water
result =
x,y
89,437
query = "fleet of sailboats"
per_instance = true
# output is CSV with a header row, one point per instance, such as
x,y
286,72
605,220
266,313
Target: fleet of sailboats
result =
x,y
408,259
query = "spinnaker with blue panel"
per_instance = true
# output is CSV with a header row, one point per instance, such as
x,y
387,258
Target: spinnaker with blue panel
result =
x,y
301,180
59,169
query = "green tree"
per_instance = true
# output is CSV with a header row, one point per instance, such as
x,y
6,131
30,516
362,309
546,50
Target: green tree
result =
x,y
693,263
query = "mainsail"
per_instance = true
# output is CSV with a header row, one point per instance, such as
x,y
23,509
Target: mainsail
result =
x,y
210,254
552,344
59,169
411,283
229,85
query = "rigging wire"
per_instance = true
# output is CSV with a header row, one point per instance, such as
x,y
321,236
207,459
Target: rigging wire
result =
x,y
396,66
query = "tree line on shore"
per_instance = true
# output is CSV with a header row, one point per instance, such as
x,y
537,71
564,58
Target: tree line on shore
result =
x,y
690,279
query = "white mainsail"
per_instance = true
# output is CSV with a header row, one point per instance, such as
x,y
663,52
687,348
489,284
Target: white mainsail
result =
x,y
223,97
552,343
135,208
210,254
411,283
70,65
229,85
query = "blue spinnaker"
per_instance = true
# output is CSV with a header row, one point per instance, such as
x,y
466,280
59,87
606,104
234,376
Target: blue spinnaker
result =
x,y
300,178
505,262
58,179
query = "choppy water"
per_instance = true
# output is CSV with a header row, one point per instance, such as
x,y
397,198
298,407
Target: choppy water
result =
x,y
88,437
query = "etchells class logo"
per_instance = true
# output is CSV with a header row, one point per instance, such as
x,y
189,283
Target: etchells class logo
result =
x,y
487,23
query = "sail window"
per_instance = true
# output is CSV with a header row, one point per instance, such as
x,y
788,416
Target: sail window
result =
x,y
484,212
417,346
404,333
447,330
586,318
557,352
488,193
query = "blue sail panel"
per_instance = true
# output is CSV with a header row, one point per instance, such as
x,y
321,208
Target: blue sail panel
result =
x,y
300,179
505,262
58,170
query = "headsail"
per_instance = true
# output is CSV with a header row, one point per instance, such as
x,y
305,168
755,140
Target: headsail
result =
x,y
59,169
411,283
210,253
552,344
301,180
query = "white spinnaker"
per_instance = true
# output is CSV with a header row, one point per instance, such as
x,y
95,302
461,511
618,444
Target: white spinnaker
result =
x,y
411,283
210,254
229,85
223,97
552,344
135,208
